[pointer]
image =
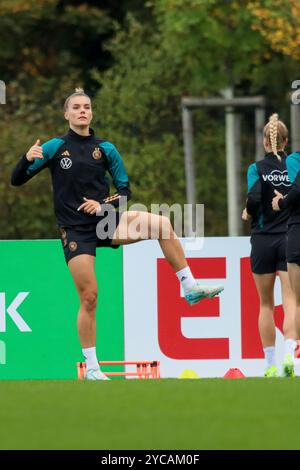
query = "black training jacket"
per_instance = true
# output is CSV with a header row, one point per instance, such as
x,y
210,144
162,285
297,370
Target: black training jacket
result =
x,y
264,177
78,167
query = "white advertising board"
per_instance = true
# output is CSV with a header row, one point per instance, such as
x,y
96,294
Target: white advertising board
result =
x,y
209,337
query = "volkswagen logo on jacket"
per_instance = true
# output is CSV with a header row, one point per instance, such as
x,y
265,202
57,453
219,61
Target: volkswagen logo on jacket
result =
x,y
66,163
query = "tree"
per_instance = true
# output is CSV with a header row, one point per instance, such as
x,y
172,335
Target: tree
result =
x,y
139,102
41,61
213,39
278,21
133,108
167,49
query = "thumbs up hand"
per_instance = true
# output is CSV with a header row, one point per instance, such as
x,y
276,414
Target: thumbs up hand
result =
x,y
36,151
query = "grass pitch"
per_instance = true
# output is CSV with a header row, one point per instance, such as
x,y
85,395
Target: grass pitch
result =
x,y
150,414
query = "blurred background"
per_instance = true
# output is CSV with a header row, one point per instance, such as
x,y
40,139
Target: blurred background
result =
x,y
137,59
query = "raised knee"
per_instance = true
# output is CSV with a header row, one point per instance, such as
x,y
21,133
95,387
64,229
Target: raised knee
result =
x,y
89,300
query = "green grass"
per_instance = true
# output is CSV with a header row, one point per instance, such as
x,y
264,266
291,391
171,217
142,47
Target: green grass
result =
x,y
150,414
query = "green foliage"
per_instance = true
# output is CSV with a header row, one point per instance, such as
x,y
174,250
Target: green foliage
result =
x,y
139,108
138,69
188,47
27,211
213,39
42,62
134,109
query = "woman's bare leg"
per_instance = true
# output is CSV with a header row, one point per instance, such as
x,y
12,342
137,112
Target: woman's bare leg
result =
x,y
135,226
294,276
151,226
82,268
289,326
289,306
265,287
83,273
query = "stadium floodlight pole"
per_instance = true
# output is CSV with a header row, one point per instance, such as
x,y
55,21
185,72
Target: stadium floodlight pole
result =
x,y
187,125
295,127
233,167
235,158
260,117
232,159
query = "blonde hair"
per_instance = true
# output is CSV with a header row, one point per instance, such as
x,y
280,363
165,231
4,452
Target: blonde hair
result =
x,y
276,134
78,92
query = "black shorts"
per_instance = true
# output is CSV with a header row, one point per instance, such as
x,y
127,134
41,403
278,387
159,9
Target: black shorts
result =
x,y
293,244
268,253
83,239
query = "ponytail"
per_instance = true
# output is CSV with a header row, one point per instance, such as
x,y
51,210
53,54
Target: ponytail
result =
x,y
276,134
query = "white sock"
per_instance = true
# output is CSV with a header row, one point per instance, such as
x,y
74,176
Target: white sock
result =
x,y
270,356
186,279
289,346
90,358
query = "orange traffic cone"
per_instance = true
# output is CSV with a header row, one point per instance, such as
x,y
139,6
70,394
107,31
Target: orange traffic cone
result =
x,y
234,374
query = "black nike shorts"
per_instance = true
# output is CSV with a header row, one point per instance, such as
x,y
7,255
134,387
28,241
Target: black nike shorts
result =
x,y
83,239
268,253
293,244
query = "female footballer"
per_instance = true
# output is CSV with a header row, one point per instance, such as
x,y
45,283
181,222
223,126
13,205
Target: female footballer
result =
x,y
268,240
79,162
282,203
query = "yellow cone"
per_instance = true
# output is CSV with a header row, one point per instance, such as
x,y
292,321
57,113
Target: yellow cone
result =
x,y
189,374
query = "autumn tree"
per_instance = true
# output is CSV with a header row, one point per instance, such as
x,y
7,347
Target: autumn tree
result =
x,y
279,22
